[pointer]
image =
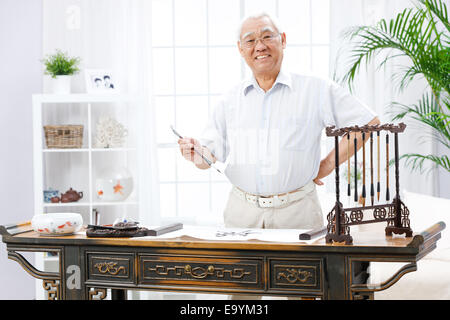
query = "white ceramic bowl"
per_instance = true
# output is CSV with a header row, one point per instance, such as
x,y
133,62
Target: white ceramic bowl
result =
x,y
55,224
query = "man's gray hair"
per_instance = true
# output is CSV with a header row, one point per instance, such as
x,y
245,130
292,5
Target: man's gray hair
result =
x,y
274,21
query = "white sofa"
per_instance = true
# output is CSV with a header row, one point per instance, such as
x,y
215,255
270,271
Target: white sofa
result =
x,y
431,281
432,278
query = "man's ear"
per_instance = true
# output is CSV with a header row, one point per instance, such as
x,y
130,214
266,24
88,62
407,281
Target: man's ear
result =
x,y
239,48
283,40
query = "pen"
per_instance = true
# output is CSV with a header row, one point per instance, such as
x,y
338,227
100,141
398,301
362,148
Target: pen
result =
x,y
196,151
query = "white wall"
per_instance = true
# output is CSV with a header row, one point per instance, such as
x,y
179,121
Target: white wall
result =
x,y
20,76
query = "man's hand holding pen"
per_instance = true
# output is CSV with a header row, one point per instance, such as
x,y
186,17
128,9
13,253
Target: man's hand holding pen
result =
x,y
188,148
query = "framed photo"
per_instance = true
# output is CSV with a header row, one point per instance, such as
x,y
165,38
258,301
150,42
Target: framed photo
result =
x,y
98,80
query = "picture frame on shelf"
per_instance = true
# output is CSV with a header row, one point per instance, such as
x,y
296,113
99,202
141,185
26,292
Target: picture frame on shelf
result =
x,y
99,81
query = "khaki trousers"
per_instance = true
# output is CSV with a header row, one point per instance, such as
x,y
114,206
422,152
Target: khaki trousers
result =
x,y
304,213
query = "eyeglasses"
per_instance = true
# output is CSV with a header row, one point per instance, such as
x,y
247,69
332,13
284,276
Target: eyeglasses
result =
x,y
266,39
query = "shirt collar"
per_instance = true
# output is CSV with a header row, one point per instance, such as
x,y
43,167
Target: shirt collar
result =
x,y
283,78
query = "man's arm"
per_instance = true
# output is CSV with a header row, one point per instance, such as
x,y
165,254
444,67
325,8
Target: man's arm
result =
x,y
187,146
327,164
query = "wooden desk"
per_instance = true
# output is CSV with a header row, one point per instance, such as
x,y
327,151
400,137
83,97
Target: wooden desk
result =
x,y
88,266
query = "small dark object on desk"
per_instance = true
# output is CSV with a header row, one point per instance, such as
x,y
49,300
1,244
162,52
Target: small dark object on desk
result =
x,y
125,225
165,229
91,226
118,226
128,230
116,233
313,233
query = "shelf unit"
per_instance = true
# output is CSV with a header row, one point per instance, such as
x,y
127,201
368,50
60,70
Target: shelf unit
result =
x,y
62,169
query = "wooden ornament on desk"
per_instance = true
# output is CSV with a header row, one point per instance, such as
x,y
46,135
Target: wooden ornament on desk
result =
x,y
396,214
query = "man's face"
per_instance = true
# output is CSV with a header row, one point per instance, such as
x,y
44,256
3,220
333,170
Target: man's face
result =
x,y
262,58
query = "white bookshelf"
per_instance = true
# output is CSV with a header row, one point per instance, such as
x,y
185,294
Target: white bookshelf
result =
x,y
62,169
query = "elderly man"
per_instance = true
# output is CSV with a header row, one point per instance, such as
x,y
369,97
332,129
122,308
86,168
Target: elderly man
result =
x,y
268,131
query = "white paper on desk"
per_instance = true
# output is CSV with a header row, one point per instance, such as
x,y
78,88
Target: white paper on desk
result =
x,y
210,233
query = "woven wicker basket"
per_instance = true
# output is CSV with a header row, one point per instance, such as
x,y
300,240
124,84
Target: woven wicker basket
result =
x,y
67,136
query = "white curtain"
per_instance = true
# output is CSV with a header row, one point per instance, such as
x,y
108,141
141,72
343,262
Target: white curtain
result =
x,y
113,35
376,88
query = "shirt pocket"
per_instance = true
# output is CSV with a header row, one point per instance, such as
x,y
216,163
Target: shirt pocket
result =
x,y
295,134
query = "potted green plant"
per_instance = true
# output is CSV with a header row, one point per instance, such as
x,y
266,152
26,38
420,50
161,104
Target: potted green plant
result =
x,y
61,68
422,35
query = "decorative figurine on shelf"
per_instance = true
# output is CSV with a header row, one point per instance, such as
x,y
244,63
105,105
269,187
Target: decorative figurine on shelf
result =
x,y
110,133
396,214
114,184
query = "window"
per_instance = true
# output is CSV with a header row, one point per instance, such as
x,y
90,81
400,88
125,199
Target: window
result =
x,y
195,59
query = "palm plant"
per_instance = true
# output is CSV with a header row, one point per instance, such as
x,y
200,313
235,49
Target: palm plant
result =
x,y
422,35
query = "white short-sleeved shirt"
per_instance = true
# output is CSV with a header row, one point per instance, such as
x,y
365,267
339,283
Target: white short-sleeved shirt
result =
x,y
271,140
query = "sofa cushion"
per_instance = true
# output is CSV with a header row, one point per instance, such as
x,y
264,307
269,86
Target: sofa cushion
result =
x,y
424,211
432,278
431,281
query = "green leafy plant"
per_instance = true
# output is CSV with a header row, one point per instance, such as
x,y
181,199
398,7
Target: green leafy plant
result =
x,y
60,64
422,35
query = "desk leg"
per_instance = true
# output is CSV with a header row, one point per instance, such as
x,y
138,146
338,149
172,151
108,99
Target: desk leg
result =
x,y
359,276
73,273
51,281
336,278
118,294
343,275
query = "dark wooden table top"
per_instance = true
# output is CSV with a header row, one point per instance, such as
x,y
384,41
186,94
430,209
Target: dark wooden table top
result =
x,y
372,241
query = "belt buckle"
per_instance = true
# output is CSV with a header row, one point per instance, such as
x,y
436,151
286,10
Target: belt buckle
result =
x,y
266,206
276,200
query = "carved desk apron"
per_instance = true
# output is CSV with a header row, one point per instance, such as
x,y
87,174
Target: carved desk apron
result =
x,y
89,266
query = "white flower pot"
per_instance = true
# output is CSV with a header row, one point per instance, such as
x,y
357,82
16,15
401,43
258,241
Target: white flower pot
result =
x,y
60,84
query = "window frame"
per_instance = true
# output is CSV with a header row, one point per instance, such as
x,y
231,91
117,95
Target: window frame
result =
x,y
208,46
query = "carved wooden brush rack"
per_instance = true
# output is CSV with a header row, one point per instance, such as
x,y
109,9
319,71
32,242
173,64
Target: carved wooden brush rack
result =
x,y
396,214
